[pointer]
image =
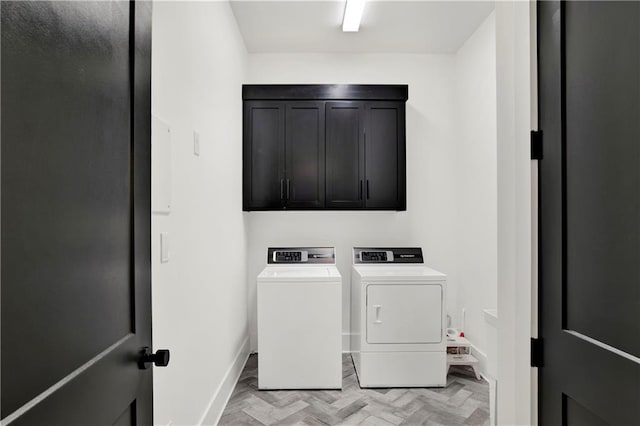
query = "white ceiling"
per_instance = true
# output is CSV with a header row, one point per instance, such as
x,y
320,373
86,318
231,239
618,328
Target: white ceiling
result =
x,y
387,26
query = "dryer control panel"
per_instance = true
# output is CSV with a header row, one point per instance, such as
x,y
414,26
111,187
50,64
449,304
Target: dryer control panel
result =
x,y
387,255
301,255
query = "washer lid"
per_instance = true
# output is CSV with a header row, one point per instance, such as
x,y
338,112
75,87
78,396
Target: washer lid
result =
x,y
398,273
300,273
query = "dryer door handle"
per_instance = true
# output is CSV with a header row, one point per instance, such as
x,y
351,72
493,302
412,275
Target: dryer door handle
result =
x,y
377,308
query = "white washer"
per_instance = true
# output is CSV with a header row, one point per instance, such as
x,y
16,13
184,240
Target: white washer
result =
x,y
397,319
300,320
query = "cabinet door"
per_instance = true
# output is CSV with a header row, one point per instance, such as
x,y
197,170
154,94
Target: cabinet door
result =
x,y
384,153
344,139
263,155
304,152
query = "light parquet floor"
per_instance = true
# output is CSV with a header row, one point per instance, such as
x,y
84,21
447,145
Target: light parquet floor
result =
x,y
465,401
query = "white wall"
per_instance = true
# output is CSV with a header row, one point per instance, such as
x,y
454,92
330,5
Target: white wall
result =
x,y
199,297
430,219
477,187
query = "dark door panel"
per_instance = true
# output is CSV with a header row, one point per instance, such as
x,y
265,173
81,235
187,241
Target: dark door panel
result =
x,y
578,415
97,396
344,154
76,279
589,97
383,153
127,418
304,151
264,135
602,190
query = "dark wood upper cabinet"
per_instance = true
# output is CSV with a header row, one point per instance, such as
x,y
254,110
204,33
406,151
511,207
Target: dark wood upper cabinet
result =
x,y
324,147
305,155
344,146
384,155
263,155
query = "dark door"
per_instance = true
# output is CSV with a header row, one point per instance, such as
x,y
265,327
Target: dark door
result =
x,y
264,135
304,151
589,97
344,155
384,144
76,266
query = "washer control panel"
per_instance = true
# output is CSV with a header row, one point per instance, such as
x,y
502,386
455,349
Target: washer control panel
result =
x,y
376,256
301,255
363,255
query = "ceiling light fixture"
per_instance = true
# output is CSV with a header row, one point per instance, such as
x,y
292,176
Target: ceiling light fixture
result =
x,y
352,15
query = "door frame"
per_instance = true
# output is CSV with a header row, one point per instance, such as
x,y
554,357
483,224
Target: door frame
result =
x,y
515,82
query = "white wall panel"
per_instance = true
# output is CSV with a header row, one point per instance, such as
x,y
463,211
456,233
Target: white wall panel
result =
x,y
199,296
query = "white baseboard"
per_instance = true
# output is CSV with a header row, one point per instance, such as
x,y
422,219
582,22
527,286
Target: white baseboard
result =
x,y
346,342
493,398
253,340
221,396
481,356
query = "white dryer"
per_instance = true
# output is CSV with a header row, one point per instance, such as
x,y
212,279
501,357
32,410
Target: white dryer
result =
x,y
300,320
397,319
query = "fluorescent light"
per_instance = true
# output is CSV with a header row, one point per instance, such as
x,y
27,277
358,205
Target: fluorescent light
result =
x,y
352,15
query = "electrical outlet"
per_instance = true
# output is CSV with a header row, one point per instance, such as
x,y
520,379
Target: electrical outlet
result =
x,y
196,143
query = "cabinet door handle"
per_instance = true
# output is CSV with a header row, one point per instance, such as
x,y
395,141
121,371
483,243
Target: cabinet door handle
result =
x,y
368,189
281,189
288,189
360,191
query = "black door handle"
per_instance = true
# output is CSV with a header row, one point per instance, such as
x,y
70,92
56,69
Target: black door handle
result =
x,y
288,189
360,193
367,189
159,359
